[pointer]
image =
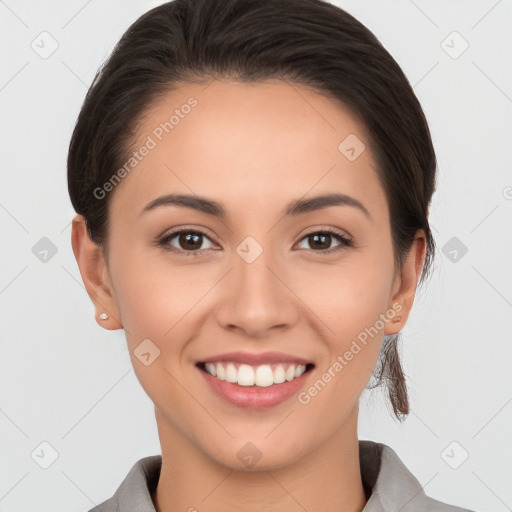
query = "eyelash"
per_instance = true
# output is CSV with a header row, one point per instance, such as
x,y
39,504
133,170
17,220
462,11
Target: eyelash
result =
x,y
344,241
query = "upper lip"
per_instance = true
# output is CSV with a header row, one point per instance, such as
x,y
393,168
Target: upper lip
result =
x,y
255,359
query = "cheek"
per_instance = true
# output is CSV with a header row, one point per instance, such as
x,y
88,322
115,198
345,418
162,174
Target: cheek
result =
x,y
350,300
153,300
153,294
352,310
349,296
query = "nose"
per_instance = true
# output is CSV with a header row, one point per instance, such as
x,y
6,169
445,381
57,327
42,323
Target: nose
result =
x,y
257,298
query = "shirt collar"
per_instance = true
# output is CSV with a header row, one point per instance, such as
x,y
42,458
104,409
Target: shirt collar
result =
x,y
392,486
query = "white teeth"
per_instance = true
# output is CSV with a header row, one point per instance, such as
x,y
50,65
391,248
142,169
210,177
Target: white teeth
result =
x,y
231,373
245,375
264,376
300,370
261,376
210,368
279,375
290,373
221,372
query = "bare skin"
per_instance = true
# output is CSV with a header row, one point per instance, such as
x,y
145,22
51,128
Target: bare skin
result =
x,y
253,148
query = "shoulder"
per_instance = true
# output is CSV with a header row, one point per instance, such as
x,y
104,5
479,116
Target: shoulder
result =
x,y
134,493
393,487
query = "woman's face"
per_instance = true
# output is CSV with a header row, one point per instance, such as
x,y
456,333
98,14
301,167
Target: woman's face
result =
x,y
258,279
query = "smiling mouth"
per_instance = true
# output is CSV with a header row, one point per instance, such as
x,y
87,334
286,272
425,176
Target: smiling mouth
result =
x,y
263,375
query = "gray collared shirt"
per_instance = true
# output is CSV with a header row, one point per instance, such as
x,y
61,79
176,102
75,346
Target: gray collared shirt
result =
x,y
389,485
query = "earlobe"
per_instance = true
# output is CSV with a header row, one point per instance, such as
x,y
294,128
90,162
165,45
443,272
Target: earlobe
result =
x,y
403,299
95,275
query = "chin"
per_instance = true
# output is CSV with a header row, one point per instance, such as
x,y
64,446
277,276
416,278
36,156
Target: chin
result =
x,y
257,455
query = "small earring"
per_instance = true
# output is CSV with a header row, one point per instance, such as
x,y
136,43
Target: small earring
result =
x,y
103,316
397,319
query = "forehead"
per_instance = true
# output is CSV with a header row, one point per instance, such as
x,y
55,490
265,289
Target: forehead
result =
x,y
250,145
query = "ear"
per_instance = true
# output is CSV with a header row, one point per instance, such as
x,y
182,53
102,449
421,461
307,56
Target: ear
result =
x,y
404,289
95,274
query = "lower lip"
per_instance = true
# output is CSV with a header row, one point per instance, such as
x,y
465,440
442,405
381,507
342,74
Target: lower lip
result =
x,y
254,397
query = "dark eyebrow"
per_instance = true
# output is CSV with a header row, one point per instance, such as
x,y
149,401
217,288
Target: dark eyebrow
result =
x,y
196,202
295,208
325,201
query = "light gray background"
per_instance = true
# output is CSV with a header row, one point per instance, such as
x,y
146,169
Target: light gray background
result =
x,y
67,382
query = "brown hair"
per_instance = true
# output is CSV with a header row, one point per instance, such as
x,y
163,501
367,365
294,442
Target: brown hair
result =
x,y
308,42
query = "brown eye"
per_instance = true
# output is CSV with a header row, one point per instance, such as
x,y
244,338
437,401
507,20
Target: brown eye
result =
x,y
320,241
187,241
192,241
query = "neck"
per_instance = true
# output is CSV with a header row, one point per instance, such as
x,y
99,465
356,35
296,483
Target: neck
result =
x,y
328,479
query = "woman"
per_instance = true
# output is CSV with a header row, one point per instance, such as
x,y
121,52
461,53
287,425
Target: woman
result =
x,y
252,181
